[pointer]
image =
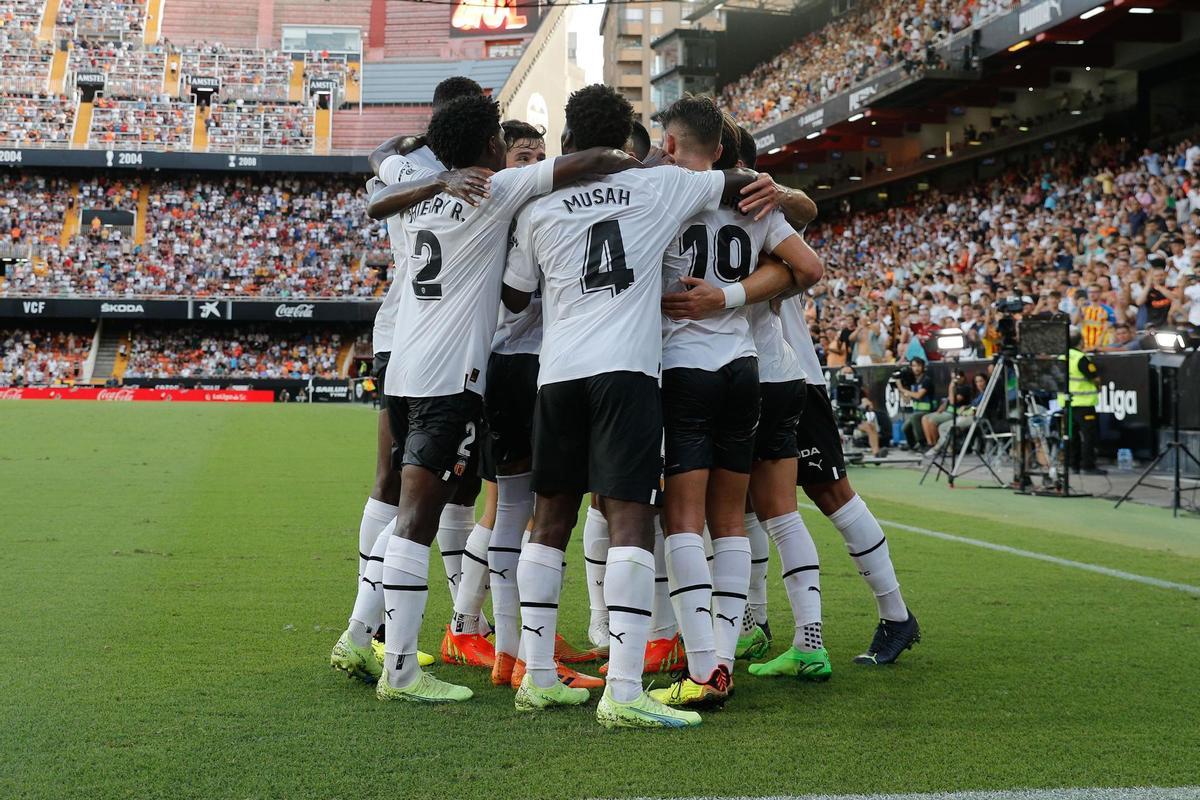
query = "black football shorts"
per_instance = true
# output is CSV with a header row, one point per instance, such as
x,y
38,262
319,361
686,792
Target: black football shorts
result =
x,y
782,407
600,434
819,441
710,417
438,433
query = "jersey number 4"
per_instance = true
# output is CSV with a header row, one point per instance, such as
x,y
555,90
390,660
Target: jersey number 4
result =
x,y
424,286
604,268
695,239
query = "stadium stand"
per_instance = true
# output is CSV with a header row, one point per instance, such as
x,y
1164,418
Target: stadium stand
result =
x,y
1107,215
259,127
130,71
35,121
245,74
234,23
40,356
216,234
143,123
850,49
248,352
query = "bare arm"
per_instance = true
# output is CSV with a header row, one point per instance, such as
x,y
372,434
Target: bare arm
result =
x,y
704,300
400,145
806,266
593,161
470,185
764,195
515,300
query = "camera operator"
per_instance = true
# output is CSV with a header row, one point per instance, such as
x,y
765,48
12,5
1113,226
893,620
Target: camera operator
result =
x,y
875,426
958,397
919,392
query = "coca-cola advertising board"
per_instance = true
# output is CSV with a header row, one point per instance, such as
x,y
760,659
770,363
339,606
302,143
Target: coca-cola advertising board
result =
x,y
131,395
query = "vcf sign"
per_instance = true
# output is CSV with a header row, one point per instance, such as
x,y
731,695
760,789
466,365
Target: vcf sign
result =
x,y
487,16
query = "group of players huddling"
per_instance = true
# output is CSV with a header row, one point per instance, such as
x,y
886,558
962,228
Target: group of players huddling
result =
x,y
619,320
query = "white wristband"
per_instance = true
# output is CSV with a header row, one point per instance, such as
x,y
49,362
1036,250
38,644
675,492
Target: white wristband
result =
x,y
735,295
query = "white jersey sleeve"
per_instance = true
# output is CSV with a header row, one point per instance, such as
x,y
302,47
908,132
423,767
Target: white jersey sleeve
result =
x,y
796,333
520,331
419,164
778,231
688,193
515,186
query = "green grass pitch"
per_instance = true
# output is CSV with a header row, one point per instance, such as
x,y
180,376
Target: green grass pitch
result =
x,y
172,578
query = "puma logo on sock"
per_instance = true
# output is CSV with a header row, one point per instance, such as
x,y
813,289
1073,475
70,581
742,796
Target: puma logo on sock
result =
x,y
374,584
501,573
620,637
730,620
703,609
538,630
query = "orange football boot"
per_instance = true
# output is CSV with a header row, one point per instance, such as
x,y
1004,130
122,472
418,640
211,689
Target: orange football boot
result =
x,y
662,655
566,676
468,649
567,653
503,669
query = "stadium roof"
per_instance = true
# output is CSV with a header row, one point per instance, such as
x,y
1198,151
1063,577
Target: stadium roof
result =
x,y
414,82
787,7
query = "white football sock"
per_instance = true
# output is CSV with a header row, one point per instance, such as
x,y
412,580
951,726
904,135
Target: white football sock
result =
x,y
760,559
691,594
514,505
539,578
368,603
376,515
473,585
708,551
801,574
731,578
662,622
595,555
868,547
405,590
454,528
628,589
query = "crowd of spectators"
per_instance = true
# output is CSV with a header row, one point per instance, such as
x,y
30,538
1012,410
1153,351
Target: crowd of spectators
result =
x,y
36,357
1107,234
131,70
248,352
35,120
208,234
142,123
238,126
32,207
851,48
108,19
245,74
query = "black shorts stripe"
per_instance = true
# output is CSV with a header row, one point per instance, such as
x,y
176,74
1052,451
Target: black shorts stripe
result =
x,y
760,560
475,558
594,561
691,588
504,550
528,604
405,587
730,594
452,553
791,572
878,545
641,612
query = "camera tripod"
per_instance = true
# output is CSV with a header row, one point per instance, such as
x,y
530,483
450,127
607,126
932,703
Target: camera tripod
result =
x,y
1176,447
953,452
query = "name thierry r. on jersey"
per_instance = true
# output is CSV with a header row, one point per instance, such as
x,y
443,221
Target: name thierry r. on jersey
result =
x,y
437,205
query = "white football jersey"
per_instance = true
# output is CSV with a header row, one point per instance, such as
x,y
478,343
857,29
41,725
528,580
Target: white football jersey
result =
x,y
420,163
721,247
598,246
520,331
796,333
777,362
447,315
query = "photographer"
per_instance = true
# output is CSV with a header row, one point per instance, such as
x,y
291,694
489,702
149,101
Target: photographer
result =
x,y
919,392
958,397
875,426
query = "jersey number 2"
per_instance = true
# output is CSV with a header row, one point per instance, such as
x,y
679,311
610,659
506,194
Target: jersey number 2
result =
x,y
605,249
423,283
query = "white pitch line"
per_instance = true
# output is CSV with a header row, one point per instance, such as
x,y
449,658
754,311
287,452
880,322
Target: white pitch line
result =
x,y
1062,562
1178,793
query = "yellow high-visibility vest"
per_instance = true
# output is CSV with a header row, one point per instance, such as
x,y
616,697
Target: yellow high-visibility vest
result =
x,y
1084,393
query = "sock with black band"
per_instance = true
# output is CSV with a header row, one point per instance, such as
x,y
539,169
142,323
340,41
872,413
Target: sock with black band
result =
x,y
375,517
539,579
731,579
